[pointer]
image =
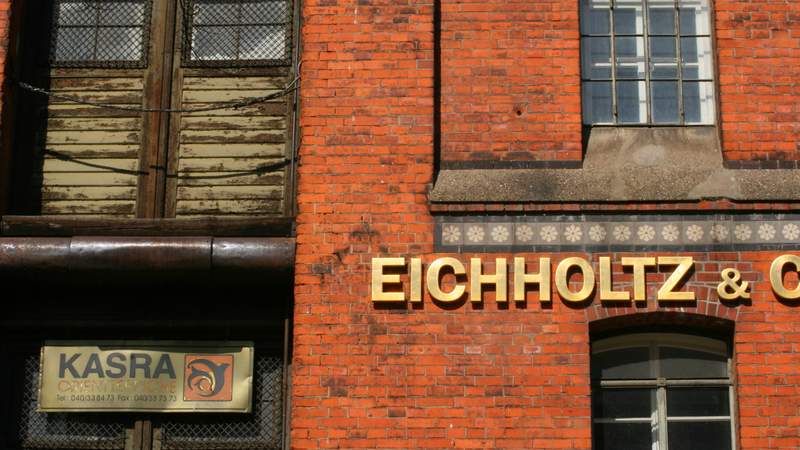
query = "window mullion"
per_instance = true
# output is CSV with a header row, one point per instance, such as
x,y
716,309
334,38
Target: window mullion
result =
x,y
678,62
708,382
239,27
96,30
647,63
661,400
613,37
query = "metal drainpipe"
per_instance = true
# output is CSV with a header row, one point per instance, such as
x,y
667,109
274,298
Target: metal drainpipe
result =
x,y
143,254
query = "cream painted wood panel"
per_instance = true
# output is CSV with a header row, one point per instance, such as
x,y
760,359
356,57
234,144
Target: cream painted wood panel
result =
x,y
90,155
232,161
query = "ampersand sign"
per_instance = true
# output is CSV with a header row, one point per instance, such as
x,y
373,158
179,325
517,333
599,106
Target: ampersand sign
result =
x,y
730,288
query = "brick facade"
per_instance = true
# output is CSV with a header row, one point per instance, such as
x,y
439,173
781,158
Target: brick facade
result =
x,y
759,68
430,376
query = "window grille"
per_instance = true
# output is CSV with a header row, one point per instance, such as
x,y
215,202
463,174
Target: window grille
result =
x,y
100,33
661,391
230,33
37,430
662,70
261,429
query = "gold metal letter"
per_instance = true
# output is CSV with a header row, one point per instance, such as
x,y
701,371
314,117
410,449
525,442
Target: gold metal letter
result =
x,y
562,280
433,279
415,292
776,276
639,265
379,279
521,278
477,279
667,292
606,292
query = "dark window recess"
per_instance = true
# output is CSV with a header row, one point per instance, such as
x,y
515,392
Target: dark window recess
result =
x,y
100,33
61,430
262,429
666,391
230,33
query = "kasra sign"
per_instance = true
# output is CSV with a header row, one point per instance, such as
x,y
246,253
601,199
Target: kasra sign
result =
x,y
151,376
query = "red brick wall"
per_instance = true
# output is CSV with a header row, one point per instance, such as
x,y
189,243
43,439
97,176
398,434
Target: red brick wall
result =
x,y
510,81
431,377
758,49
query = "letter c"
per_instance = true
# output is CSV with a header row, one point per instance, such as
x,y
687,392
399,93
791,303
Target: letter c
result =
x,y
776,276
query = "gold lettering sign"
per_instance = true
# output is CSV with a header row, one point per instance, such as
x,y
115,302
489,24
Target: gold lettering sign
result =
x,y
562,279
776,276
471,284
146,376
677,269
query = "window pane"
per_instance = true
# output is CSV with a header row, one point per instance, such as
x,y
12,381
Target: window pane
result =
x,y
712,401
595,16
630,57
268,42
618,436
628,17
74,44
629,363
208,12
661,17
214,43
694,17
77,13
265,12
122,13
624,403
685,363
119,44
699,435
632,102
698,102
696,58
663,58
597,102
665,102
596,62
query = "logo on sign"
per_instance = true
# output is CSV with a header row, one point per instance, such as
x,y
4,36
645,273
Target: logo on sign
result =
x,y
208,378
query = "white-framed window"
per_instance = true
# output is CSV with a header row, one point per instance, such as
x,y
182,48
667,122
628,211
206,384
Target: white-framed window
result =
x,y
662,391
647,62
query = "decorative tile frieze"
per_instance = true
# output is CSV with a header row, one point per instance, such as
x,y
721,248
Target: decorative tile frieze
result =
x,y
617,233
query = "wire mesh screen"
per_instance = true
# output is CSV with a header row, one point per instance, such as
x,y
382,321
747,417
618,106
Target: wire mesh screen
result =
x,y
262,429
100,33
230,33
60,430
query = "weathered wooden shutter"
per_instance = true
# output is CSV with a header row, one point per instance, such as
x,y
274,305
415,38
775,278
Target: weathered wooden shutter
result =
x,y
160,55
231,161
87,158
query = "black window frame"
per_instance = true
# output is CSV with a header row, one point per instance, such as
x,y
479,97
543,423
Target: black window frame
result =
x,y
189,59
55,27
659,387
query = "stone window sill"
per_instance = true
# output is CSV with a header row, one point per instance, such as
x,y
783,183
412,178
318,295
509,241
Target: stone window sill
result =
x,y
673,164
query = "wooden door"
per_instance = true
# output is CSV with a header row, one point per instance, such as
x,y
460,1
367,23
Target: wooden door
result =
x,y
231,161
113,132
77,158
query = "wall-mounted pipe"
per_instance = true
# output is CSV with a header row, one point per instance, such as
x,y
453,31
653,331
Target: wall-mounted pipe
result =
x,y
199,255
